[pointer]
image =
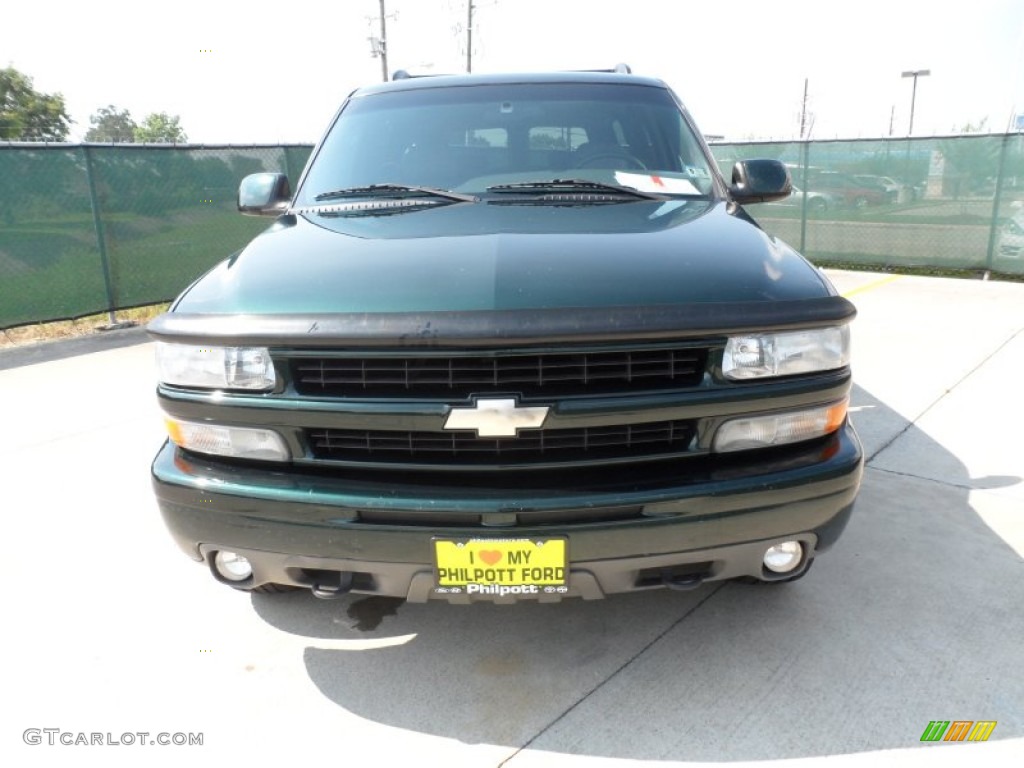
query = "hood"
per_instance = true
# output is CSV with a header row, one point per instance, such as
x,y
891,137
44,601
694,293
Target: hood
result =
x,y
500,256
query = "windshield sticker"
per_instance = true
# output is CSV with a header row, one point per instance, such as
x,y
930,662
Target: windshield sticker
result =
x,y
650,183
697,173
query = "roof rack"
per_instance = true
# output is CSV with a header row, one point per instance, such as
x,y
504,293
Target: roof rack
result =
x,y
404,74
621,68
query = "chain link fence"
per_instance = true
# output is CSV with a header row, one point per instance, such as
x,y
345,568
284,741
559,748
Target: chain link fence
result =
x,y
92,228
942,203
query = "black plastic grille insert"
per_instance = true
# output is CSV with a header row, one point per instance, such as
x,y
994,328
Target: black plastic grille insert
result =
x,y
459,376
629,442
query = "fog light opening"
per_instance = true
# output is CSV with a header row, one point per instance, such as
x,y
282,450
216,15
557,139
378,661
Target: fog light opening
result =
x,y
232,566
784,557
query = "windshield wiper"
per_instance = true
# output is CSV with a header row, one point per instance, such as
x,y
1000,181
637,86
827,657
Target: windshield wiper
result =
x,y
396,191
574,185
379,207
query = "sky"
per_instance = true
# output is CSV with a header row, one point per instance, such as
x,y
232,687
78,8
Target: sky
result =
x,y
253,71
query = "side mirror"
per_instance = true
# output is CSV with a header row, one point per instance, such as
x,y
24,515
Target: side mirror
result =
x,y
759,181
264,194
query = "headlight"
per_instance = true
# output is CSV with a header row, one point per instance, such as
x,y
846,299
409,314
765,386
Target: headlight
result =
x,y
779,428
783,354
186,365
239,442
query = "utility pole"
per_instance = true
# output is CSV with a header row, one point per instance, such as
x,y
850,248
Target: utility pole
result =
x,y
379,45
383,42
469,35
803,111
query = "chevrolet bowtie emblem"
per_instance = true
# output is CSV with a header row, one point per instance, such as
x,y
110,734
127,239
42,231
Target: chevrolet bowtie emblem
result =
x,y
496,418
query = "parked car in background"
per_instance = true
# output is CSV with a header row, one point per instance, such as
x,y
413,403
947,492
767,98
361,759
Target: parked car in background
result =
x,y
817,201
1011,238
848,190
831,189
889,186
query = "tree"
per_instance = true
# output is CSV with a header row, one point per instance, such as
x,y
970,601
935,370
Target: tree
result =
x,y
161,127
111,124
971,161
28,115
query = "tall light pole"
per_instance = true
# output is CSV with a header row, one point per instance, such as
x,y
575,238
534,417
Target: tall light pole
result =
x,y
914,73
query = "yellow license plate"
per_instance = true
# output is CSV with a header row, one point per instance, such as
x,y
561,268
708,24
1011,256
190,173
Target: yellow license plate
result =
x,y
501,566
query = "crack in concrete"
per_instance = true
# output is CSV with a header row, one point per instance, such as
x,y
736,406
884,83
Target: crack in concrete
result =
x,y
958,486
946,483
612,676
940,398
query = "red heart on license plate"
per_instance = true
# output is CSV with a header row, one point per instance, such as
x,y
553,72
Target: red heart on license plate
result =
x,y
490,556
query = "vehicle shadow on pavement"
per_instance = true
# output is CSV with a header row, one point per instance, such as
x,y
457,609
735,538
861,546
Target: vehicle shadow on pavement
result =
x,y
914,616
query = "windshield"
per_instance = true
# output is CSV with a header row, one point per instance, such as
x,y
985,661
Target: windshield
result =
x,y
472,138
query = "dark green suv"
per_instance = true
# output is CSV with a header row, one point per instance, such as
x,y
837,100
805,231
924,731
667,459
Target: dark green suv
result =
x,y
512,337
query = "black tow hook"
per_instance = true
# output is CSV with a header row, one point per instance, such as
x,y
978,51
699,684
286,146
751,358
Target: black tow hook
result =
x,y
681,582
333,588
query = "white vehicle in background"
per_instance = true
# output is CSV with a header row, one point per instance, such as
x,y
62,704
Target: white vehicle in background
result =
x,y
1011,237
894,190
817,202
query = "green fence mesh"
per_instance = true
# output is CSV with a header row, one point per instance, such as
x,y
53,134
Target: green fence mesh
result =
x,y
945,203
92,228
50,265
86,229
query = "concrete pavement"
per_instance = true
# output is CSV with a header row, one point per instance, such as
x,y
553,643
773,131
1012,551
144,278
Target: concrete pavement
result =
x,y
915,615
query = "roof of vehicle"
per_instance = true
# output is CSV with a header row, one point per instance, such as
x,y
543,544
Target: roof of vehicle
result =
x,y
448,81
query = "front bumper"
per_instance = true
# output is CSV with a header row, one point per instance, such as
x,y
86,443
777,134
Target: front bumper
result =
x,y
637,530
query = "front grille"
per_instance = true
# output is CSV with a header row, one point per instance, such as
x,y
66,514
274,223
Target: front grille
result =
x,y
534,446
541,375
